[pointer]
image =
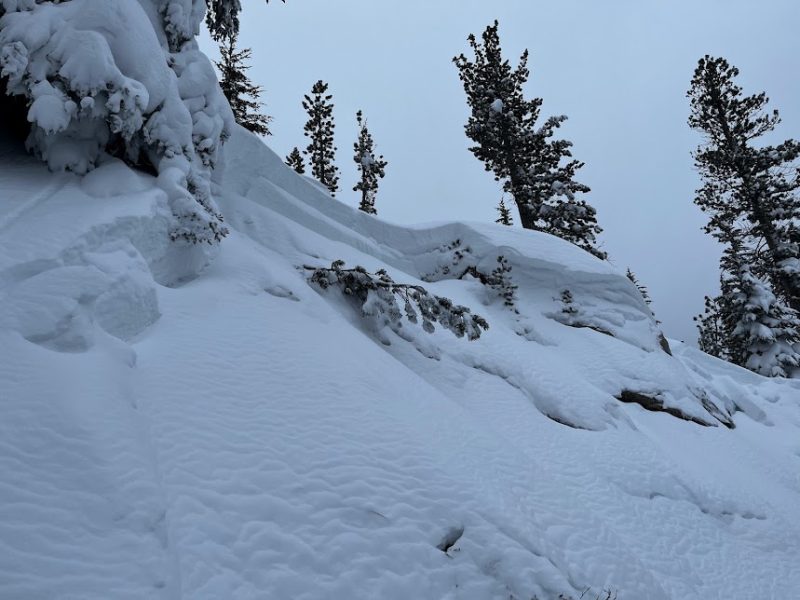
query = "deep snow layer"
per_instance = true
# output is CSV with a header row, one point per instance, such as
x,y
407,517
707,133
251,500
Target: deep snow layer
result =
x,y
174,432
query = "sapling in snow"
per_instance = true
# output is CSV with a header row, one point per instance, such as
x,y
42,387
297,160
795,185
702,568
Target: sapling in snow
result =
x,y
500,281
713,334
504,217
568,307
295,160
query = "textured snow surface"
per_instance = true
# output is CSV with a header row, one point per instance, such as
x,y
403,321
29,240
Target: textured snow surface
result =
x,y
170,432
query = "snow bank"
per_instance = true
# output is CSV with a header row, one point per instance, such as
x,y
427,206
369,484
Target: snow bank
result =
x,y
243,434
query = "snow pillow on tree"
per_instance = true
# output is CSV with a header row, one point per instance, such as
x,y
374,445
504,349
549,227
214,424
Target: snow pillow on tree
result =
x,y
124,78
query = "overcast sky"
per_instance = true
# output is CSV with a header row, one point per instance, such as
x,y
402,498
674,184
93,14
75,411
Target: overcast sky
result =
x,y
619,69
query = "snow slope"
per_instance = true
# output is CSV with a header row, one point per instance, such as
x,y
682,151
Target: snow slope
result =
x,y
177,429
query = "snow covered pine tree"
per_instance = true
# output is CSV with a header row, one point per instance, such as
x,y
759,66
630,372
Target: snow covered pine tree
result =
x,y
503,126
757,188
319,129
766,331
376,296
751,197
372,168
295,160
242,94
500,281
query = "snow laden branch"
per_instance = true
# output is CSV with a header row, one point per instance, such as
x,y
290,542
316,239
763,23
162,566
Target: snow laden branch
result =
x,y
378,295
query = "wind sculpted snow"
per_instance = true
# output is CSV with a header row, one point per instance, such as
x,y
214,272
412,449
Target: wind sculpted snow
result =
x,y
176,430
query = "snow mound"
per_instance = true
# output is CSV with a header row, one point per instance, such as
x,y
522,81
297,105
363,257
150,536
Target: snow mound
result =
x,y
235,432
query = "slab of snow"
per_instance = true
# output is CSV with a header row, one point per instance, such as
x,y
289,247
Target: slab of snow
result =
x,y
240,434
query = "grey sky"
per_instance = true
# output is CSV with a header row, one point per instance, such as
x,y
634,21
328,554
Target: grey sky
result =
x,y
619,69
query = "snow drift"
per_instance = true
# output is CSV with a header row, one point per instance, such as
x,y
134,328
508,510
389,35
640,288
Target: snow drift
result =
x,y
234,432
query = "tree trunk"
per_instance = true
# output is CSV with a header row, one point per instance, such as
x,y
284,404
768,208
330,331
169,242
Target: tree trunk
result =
x,y
527,217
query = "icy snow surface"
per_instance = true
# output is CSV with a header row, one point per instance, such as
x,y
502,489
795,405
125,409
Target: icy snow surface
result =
x,y
233,433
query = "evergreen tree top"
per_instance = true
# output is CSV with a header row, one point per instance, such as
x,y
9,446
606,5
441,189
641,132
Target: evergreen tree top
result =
x,y
720,109
222,18
243,95
318,91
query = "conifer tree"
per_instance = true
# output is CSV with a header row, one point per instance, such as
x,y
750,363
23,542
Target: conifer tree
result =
x,y
751,194
505,214
370,167
714,336
537,170
295,160
747,324
241,93
319,129
568,306
500,281
765,332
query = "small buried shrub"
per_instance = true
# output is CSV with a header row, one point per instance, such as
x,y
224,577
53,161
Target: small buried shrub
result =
x,y
378,295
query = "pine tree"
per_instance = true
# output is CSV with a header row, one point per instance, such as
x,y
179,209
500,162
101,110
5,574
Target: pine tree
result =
x,y
518,151
568,306
319,129
295,160
370,167
750,193
500,281
505,214
713,336
747,324
765,331
241,93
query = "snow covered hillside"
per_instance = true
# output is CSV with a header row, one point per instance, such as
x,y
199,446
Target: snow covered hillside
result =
x,y
184,424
